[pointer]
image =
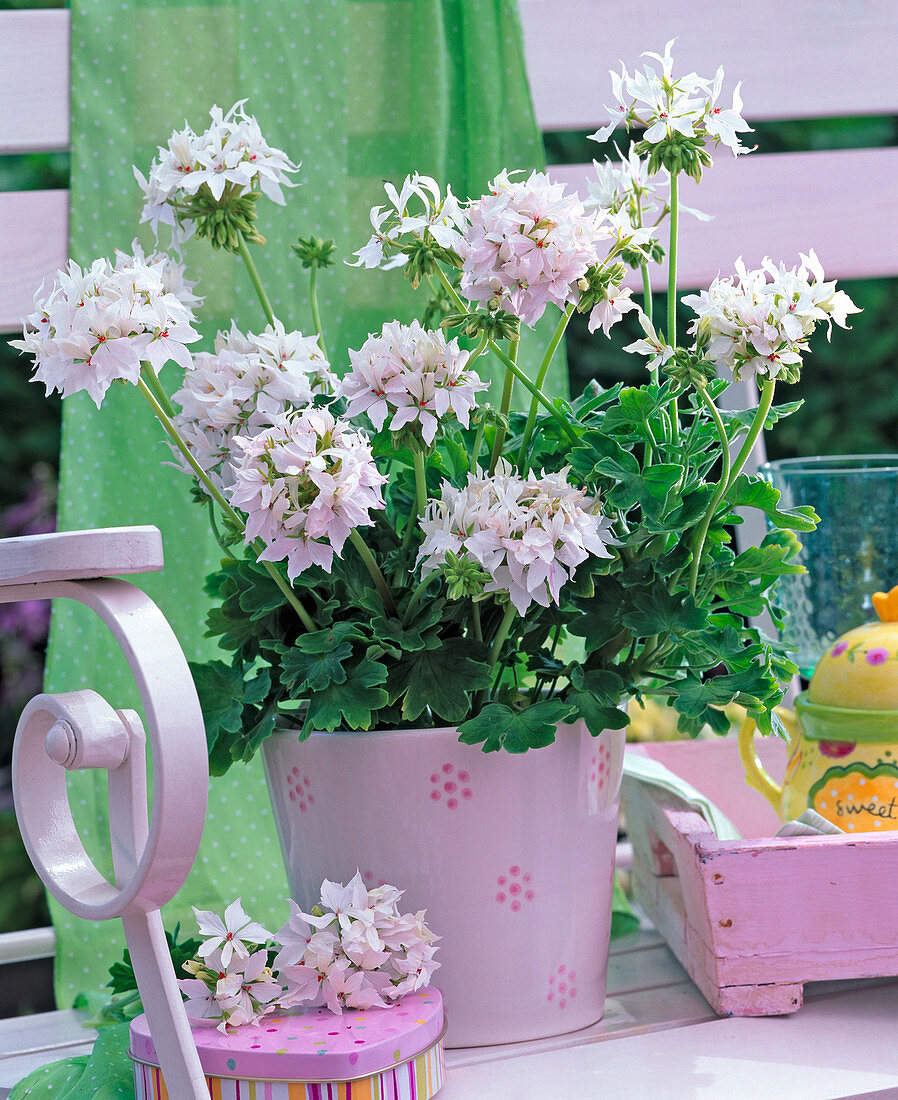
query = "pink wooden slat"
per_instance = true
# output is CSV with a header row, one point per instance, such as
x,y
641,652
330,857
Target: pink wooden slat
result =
x,y
840,203
34,81
804,59
80,555
33,247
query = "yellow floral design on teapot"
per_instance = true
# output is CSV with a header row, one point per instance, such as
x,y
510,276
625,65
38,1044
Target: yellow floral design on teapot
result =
x,y
843,736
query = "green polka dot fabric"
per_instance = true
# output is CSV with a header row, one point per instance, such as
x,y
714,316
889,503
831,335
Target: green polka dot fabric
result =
x,y
359,92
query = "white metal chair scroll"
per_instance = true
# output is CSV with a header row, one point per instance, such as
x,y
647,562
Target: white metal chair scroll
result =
x,y
80,729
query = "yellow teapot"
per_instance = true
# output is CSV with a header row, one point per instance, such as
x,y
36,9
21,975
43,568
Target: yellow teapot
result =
x,y
843,736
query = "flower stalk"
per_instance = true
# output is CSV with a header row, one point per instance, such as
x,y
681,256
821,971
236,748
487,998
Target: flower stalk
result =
x,y
373,568
540,378
701,532
175,436
253,272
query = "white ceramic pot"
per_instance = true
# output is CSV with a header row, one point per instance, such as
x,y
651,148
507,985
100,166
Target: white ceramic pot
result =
x,y
511,856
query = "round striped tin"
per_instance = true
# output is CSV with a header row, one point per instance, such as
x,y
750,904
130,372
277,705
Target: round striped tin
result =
x,y
310,1054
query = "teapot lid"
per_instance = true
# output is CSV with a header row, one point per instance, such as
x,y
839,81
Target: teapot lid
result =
x,y
860,670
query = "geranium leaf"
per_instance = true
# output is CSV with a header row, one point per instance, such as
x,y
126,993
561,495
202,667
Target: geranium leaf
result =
x,y
499,727
220,690
352,703
657,611
440,679
755,493
597,716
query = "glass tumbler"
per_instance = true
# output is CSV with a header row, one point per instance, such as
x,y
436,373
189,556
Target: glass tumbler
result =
x,y
852,553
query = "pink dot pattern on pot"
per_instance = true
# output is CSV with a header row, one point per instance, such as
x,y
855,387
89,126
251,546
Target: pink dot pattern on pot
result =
x,y
514,888
450,786
299,789
600,768
371,880
562,987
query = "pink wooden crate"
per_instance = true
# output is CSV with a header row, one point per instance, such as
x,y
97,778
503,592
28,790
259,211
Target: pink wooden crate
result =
x,y
752,920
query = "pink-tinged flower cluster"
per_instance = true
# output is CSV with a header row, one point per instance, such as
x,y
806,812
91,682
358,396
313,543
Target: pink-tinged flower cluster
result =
x,y
243,387
231,983
354,950
417,210
304,484
98,324
687,105
528,243
231,153
757,323
414,376
529,534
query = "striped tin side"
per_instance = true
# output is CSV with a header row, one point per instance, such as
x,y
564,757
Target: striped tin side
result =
x,y
418,1079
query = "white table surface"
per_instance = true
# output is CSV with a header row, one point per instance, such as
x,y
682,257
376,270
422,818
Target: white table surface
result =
x,y
658,1039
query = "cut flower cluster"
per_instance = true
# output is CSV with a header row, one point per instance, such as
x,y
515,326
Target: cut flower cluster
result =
x,y
528,534
354,950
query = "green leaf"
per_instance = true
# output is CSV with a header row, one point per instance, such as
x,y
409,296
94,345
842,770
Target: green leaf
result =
x,y
499,727
600,618
767,560
599,454
220,690
351,704
596,694
441,679
607,686
316,659
657,611
749,492
597,716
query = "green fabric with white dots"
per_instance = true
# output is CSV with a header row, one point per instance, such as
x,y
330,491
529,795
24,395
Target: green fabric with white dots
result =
x,y
360,92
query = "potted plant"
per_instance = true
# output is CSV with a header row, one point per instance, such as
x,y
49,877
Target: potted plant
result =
x,y
418,581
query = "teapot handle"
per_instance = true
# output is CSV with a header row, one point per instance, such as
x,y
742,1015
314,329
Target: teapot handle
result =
x,y
755,775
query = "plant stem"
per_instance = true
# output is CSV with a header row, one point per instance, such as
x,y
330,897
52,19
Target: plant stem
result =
x,y
478,443
757,426
256,281
540,396
647,300
420,481
478,351
672,263
672,291
416,597
152,380
507,362
507,389
313,302
501,634
701,532
175,436
374,569
475,616
540,378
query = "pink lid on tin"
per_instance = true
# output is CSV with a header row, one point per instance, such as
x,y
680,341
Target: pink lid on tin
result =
x,y
312,1044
